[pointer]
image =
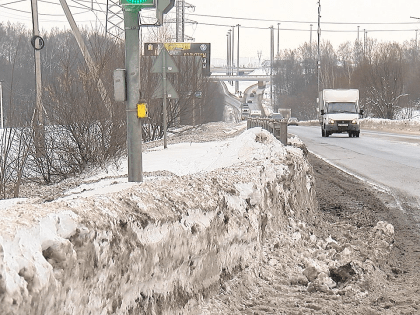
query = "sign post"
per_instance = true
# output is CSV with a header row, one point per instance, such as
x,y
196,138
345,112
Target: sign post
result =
x,y
164,64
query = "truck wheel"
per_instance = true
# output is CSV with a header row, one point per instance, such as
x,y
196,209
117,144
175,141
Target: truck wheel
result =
x,y
357,134
327,133
323,132
351,134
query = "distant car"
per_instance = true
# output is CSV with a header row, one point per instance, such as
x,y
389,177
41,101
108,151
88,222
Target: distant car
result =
x,y
251,95
249,101
293,121
276,116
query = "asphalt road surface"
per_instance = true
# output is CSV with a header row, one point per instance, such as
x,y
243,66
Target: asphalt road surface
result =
x,y
391,161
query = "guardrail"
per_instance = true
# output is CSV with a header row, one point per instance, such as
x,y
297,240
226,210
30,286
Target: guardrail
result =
x,y
277,127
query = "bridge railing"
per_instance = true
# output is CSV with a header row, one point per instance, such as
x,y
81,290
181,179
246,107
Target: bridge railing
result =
x,y
277,127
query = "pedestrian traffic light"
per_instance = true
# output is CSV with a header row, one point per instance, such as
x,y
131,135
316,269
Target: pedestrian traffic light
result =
x,y
137,5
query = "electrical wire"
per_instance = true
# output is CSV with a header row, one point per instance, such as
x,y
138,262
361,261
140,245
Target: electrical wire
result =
x,y
302,22
303,30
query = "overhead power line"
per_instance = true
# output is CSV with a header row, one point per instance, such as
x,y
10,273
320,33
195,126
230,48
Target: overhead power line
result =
x,y
302,22
305,30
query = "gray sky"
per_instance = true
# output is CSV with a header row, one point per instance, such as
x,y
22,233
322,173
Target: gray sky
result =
x,y
385,20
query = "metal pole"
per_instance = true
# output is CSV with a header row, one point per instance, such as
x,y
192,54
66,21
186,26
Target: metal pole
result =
x,y
134,126
271,63
310,35
233,49
278,39
237,60
165,114
86,55
1,105
358,29
228,54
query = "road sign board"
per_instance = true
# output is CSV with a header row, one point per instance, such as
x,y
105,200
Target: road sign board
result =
x,y
169,63
184,49
170,91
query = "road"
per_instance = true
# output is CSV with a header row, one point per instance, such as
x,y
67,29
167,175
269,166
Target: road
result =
x,y
385,159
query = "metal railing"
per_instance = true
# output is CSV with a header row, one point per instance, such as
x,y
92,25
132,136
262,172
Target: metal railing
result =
x,y
277,127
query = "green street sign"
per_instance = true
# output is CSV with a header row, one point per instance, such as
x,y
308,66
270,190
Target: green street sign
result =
x,y
137,5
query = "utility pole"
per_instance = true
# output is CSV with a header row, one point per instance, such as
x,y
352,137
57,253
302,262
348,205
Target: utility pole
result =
x,y
38,120
278,40
233,50
180,20
237,71
310,36
364,42
165,95
271,63
358,29
319,43
134,125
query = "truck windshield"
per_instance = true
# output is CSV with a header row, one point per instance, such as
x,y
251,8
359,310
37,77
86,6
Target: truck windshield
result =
x,y
339,107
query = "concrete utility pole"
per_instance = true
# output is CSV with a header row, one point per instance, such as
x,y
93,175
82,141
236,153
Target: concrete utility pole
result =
x,y
227,53
319,43
165,95
278,40
134,125
38,119
233,50
237,71
271,63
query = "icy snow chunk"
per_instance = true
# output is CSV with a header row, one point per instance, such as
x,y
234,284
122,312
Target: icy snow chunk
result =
x,y
385,227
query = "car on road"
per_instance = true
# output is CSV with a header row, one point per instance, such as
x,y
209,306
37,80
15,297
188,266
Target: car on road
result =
x,y
293,121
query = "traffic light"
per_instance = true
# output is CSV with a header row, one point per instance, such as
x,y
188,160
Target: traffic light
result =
x,y
137,5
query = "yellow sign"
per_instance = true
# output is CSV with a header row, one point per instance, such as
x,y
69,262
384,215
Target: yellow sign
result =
x,y
142,110
177,46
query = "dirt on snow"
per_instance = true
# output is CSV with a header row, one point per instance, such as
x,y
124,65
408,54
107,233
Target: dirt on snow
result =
x,y
361,255
374,242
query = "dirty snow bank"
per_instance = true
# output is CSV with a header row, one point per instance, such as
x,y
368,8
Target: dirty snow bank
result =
x,y
402,125
379,124
155,247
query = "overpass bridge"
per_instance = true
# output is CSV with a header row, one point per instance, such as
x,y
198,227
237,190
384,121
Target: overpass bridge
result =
x,y
259,78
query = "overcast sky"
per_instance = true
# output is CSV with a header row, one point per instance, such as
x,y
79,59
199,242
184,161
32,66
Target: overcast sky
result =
x,y
386,20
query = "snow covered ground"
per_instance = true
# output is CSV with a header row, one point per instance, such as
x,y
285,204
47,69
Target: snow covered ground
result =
x,y
112,247
106,246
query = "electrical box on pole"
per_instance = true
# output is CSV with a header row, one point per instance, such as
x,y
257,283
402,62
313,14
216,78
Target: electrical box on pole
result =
x,y
163,7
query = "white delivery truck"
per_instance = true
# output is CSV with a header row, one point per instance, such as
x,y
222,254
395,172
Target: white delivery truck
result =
x,y
255,113
339,111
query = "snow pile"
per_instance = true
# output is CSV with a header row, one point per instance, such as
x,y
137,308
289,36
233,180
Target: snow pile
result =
x,y
405,125
160,246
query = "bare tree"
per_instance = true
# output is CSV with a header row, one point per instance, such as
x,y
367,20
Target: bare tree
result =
x,y
384,81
